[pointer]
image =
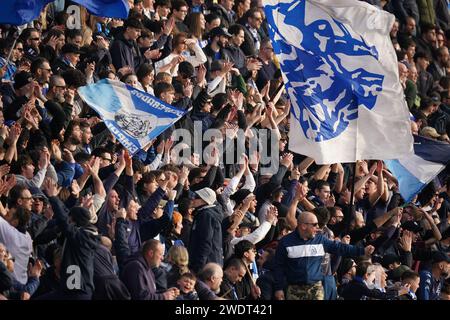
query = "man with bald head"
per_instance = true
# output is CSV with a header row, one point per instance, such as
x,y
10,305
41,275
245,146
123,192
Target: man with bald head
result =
x,y
299,256
210,279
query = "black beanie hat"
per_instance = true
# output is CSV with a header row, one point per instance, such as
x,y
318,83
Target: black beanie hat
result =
x,y
81,216
202,98
345,265
240,195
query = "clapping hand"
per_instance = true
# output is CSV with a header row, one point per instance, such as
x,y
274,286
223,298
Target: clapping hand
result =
x,y
50,187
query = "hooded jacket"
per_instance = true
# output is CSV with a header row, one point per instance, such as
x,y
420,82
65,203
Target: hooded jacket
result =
x,y
205,244
77,266
125,53
138,277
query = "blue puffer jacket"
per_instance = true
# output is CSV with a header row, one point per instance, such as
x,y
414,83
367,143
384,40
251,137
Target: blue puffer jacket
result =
x,y
298,261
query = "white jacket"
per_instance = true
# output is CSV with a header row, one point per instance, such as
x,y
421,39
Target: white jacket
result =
x,y
254,237
20,245
196,60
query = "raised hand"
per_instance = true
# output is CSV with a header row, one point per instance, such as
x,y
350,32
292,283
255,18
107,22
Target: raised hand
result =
x,y
190,42
272,214
4,170
346,239
168,26
152,54
201,73
160,147
89,71
68,156
4,130
214,159
253,64
227,66
379,168
75,188
128,159
50,187
406,241
95,166
69,96
44,160
171,194
369,250
183,174
2,188
244,165
87,201
246,202
254,161
121,213
36,269
168,145
164,181
295,174
30,119
237,217
56,151
53,41
121,158
14,133
237,98
300,192
11,181
286,159
331,201
265,90
188,90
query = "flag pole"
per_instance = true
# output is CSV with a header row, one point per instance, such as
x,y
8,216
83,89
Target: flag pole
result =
x,y
352,190
11,50
13,46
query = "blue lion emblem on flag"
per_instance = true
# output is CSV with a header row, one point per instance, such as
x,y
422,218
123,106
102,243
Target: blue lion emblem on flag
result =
x,y
328,68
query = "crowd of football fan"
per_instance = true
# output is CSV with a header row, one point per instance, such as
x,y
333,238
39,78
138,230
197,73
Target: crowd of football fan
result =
x,y
81,218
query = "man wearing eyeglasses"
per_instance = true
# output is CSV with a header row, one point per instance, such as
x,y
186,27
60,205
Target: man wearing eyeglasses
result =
x,y
252,32
299,256
41,71
13,230
268,68
32,42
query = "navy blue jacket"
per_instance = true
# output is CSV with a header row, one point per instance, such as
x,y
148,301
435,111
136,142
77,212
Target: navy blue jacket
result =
x,y
125,53
140,280
358,290
79,251
298,261
205,244
130,234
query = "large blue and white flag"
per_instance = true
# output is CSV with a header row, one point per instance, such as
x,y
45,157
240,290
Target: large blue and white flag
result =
x,y
106,8
340,71
19,12
133,116
415,172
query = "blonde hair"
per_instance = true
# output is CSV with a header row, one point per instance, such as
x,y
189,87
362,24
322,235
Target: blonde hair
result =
x,y
179,256
86,37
